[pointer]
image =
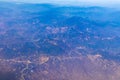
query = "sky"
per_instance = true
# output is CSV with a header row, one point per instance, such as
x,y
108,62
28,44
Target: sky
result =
x,y
73,2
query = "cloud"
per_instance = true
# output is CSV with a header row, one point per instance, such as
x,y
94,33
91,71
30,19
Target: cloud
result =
x,y
69,1
72,2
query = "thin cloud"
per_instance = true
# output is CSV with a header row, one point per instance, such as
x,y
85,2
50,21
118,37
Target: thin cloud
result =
x,y
71,2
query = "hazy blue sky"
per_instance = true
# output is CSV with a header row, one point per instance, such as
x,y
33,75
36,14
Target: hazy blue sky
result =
x,y
74,2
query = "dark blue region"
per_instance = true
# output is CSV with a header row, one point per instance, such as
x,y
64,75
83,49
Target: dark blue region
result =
x,y
27,29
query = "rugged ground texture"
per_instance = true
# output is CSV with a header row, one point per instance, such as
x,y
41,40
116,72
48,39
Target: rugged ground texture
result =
x,y
51,42
43,67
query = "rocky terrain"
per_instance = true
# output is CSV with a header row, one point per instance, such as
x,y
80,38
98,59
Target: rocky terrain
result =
x,y
52,42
